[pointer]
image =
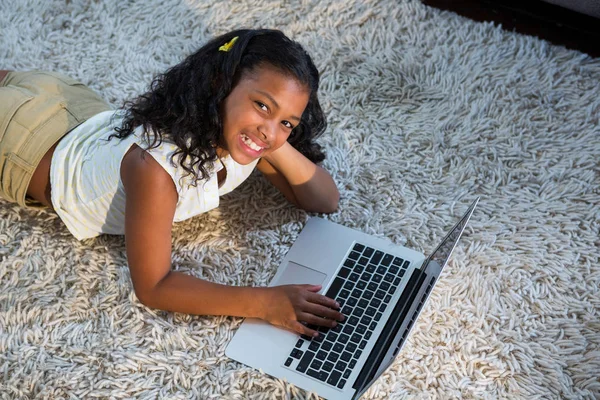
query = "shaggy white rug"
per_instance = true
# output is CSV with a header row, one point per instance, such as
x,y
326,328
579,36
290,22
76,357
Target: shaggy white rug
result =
x,y
427,110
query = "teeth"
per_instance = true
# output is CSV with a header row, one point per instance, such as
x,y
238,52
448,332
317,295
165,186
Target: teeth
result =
x,y
250,143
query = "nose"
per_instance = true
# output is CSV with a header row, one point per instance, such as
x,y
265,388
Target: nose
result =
x,y
268,131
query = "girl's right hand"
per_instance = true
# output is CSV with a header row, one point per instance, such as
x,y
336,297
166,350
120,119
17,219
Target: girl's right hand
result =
x,y
289,306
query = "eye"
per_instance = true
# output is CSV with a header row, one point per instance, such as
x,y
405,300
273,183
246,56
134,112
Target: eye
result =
x,y
262,106
287,124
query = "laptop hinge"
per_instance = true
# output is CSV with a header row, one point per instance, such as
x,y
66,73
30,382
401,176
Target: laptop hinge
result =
x,y
392,326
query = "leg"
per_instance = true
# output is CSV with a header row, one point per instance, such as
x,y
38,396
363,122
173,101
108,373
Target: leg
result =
x,y
3,73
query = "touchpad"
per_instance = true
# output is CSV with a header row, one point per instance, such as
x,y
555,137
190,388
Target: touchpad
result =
x,y
296,274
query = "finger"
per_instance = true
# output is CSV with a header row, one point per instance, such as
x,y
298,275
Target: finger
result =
x,y
323,300
313,288
312,319
324,312
303,329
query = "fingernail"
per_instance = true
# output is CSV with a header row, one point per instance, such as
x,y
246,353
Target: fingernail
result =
x,y
337,305
316,334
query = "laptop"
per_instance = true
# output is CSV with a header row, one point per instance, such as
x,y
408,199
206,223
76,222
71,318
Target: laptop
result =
x,y
381,287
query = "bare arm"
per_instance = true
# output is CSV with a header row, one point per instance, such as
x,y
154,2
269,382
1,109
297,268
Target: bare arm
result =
x,y
149,212
300,180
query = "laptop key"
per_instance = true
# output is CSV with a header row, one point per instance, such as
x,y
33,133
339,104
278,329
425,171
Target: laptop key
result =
x,y
394,269
363,303
348,329
377,278
406,264
338,348
299,343
316,364
332,336
361,329
387,259
352,301
357,293
321,355
288,362
345,270
368,335
347,310
334,378
368,294
353,321
384,286
356,338
377,257
358,247
354,255
352,363
343,338
335,287
333,357
297,353
354,277
373,326
371,268
378,315
375,303
387,299
389,278
361,346
351,347
341,384
361,285
313,373
348,285
322,376
314,346
346,356
328,366
343,294
341,366
347,373
363,261
368,252
305,361
358,311
370,311
366,320
327,345
397,261
380,294
358,269
381,270
372,286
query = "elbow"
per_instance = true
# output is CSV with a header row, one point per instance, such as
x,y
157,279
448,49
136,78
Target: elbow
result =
x,y
328,205
332,205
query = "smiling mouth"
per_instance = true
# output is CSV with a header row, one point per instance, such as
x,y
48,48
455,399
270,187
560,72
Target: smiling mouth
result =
x,y
248,142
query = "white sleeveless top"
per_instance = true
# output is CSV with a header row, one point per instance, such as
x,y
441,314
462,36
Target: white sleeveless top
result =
x,y
88,194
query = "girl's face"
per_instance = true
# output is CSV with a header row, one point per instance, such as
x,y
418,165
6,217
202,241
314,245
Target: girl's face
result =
x,y
260,113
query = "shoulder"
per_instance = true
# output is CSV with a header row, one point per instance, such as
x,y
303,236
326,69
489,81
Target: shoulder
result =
x,y
142,174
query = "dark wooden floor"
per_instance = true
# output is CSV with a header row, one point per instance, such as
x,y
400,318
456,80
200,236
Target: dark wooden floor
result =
x,y
532,17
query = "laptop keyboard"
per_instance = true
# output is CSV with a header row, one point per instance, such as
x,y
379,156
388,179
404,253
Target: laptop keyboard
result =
x,y
364,287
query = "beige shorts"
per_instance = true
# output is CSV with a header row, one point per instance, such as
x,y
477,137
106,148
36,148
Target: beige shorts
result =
x,y
36,110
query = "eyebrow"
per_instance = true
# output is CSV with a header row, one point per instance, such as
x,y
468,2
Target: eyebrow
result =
x,y
267,95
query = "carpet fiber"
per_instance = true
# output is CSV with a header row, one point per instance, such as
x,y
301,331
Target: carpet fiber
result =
x,y
427,110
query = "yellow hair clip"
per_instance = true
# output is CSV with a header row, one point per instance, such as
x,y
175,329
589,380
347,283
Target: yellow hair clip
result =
x,y
227,46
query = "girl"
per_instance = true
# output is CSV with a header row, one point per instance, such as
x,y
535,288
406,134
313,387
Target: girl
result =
x,y
246,99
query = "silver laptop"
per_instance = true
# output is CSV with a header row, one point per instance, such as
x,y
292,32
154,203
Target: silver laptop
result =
x,y
381,288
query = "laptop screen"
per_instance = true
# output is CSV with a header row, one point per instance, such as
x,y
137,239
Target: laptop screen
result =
x,y
441,254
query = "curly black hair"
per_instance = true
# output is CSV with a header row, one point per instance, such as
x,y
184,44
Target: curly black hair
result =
x,y
183,104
